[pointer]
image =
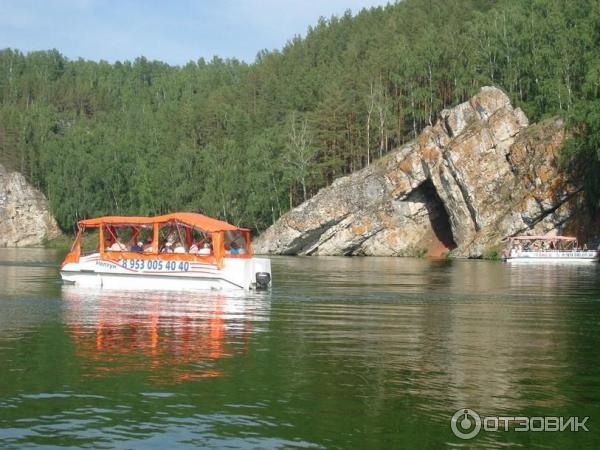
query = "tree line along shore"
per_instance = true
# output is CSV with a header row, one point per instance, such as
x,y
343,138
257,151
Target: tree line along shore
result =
x,y
245,142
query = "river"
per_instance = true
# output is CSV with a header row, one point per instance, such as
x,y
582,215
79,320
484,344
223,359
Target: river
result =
x,y
343,353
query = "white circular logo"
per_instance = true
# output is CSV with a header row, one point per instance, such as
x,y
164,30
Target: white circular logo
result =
x,y
465,424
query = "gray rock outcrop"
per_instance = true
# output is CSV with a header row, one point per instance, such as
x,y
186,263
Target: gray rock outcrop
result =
x,y
479,174
24,215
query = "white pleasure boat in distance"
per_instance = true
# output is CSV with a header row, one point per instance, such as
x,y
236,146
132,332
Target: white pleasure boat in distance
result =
x,y
547,249
173,251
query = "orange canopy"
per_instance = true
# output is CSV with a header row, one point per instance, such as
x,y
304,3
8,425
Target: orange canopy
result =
x,y
193,219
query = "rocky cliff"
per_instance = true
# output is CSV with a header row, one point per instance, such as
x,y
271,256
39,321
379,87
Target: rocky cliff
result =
x,y
24,215
479,174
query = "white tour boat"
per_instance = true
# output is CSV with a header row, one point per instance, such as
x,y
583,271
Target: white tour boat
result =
x,y
173,251
547,249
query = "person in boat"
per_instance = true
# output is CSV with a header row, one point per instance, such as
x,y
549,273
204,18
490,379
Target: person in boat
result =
x,y
138,247
118,246
234,249
240,249
197,246
148,245
178,248
206,249
167,248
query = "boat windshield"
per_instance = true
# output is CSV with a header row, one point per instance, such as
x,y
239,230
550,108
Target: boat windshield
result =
x,y
89,242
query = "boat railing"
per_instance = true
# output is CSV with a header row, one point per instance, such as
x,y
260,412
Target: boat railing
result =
x,y
555,253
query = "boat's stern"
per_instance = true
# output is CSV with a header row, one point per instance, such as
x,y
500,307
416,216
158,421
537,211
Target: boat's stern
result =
x,y
261,273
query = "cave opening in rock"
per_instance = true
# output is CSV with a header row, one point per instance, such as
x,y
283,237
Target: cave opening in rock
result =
x,y
441,239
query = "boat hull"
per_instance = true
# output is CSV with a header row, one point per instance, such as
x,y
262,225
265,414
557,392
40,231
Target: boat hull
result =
x,y
93,271
553,257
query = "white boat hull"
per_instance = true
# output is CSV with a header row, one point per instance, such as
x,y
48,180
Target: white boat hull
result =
x,y
553,257
92,271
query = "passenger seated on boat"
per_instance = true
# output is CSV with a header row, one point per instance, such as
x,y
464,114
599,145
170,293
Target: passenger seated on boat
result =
x,y
148,246
117,246
205,250
195,247
179,248
237,248
234,249
167,248
137,248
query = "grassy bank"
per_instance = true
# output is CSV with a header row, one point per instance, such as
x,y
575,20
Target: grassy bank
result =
x,y
493,253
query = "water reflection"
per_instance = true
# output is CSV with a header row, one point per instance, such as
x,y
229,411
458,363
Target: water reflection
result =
x,y
172,336
27,271
344,353
448,334
550,279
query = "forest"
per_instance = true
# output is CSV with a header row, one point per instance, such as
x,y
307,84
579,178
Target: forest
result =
x,y
246,142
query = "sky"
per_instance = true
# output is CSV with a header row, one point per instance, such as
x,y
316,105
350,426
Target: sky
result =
x,y
173,31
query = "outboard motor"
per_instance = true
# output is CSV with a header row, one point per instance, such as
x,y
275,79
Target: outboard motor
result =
x,y
262,280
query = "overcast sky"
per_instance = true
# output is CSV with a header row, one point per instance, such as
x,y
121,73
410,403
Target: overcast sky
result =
x,y
174,31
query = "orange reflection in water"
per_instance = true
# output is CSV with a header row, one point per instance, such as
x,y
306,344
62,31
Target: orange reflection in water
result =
x,y
170,336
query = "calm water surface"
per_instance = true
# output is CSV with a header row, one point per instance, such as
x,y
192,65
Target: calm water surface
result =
x,y
344,353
